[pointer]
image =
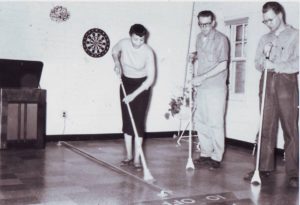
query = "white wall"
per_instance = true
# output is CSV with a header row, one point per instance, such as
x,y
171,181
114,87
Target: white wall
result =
x,y
85,87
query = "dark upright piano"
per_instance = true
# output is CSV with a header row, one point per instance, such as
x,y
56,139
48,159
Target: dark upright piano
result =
x,y
22,104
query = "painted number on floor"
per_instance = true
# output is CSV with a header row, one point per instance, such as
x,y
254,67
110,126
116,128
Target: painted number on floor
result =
x,y
196,199
215,197
180,202
184,201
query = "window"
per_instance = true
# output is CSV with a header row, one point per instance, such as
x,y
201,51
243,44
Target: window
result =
x,y
237,29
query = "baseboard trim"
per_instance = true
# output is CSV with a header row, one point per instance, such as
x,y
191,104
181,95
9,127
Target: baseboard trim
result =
x,y
76,137
82,137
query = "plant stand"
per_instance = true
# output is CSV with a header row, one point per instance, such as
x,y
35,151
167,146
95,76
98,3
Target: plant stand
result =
x,y
181,133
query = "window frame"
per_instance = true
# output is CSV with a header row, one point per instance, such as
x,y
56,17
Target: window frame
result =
x,y
231,27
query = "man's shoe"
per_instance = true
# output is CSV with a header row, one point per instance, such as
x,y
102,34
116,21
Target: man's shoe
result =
x,y
202,161
262,174
214,164
294,182
249,176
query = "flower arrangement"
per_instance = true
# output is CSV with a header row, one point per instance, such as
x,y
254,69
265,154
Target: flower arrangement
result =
x,y
176,103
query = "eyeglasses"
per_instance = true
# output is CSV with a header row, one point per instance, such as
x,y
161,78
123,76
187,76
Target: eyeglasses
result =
x,y
267,21
204,25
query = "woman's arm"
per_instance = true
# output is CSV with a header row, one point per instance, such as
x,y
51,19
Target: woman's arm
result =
x,y
116,52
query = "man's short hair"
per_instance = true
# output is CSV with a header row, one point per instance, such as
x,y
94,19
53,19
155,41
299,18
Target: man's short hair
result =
x,y
207,13
139,30
276,7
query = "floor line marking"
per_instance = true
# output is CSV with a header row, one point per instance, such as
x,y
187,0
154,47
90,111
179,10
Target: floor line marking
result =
x,y
163,192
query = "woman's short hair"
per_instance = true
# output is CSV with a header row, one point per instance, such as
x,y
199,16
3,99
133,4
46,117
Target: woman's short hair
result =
x,y
139,30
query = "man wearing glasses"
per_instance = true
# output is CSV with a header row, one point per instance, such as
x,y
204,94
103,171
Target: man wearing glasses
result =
x,y
212,53
278,52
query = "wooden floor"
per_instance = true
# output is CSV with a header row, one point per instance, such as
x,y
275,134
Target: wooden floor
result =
x,y
59,176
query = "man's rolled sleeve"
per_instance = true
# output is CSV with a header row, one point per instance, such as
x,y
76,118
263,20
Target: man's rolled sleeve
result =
x,y
223,49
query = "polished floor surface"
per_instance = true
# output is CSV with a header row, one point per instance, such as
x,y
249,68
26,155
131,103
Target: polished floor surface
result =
x,y
59,175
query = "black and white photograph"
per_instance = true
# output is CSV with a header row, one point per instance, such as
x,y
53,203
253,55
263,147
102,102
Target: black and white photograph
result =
x,y
149,102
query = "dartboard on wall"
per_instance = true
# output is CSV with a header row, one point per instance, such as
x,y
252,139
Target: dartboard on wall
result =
x,y
95,42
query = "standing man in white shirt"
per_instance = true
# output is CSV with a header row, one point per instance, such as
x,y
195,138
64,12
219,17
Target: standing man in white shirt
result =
x,y
281,46
212,53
